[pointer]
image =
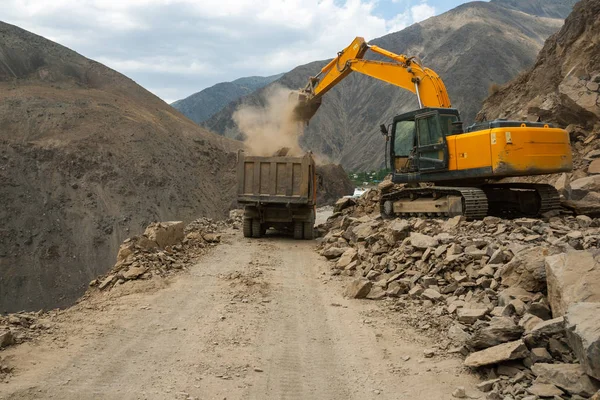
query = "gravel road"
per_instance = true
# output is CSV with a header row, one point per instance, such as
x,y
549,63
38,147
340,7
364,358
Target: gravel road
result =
x,y
254,319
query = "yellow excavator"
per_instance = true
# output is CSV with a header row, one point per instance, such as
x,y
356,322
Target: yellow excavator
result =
x,y
449,170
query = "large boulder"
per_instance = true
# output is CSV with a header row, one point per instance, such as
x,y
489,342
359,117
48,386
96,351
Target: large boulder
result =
x,y
362,231
500,330
165,233
504,352
572,277
421,241
563,186
569,377
582,186
583,333
347,257
359,288
526,270
6,338
343,203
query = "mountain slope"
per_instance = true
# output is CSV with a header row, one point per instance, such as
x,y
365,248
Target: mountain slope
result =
x,y
541,8
561,87
471,47
88,158
202,105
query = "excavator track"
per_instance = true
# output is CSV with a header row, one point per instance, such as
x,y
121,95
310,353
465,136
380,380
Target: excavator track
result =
x,y
507,200
474,200
521,199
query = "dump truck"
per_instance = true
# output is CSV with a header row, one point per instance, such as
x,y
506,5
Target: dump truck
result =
x,y
277,192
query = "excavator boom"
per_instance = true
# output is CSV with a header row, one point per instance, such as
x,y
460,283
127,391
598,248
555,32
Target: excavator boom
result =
x,y
405,72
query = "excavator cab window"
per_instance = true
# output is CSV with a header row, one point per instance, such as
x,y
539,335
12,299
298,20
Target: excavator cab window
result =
x,y
446,122
419,140
404,143
432,150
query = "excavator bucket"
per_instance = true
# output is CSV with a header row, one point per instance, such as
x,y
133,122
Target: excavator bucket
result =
x,y
304,106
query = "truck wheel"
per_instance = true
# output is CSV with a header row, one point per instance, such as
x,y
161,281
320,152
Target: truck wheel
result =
x,y
263,229
309,230
247,228
298,230
256,228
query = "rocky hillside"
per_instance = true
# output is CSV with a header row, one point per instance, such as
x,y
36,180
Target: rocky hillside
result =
x,y
202,105
563,87
88,158
472,47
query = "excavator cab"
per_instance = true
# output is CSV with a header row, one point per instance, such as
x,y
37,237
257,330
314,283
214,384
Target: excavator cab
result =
x,y
419,140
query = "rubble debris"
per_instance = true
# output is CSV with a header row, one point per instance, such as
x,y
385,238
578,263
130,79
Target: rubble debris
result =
x,y
164,248
572,277
569,377
544,390
480,285
583,335
21,327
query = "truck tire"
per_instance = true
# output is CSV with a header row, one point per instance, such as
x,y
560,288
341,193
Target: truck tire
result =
x,y
298,230
309,226
256,228
247,228
309,230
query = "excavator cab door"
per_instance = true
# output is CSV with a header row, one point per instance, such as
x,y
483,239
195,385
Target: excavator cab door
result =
x,y
432,149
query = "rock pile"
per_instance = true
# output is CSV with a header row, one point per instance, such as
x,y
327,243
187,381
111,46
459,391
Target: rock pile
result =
x,y
21,327
520,297
164,248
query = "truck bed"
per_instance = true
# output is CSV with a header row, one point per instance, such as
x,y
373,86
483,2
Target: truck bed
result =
x,y
282,180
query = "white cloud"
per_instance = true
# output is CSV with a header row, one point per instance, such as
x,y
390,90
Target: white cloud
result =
x,y
178,47
411,15
422,12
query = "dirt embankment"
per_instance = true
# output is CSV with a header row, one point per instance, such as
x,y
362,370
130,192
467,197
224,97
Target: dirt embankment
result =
x,y
88,158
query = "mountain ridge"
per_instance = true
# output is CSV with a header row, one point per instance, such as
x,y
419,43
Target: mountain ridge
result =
x,y
203,104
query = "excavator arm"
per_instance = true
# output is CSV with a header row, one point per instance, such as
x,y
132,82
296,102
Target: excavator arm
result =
x,y
402,71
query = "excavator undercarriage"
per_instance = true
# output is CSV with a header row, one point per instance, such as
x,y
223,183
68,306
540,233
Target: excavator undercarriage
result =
x,y
502,200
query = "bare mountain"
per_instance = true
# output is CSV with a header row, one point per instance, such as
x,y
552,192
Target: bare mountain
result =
x,y
563,87
541,8
472,47
87,159
202,105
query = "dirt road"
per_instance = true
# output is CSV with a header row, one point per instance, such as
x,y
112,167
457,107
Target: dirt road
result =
x,y
255,319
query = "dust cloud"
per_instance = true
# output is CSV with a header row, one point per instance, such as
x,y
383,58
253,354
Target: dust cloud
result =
x,y
270,128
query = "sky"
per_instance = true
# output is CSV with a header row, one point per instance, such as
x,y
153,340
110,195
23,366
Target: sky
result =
x,y
175,48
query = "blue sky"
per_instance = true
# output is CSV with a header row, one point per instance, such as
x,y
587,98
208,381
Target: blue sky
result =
x,y
177,47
